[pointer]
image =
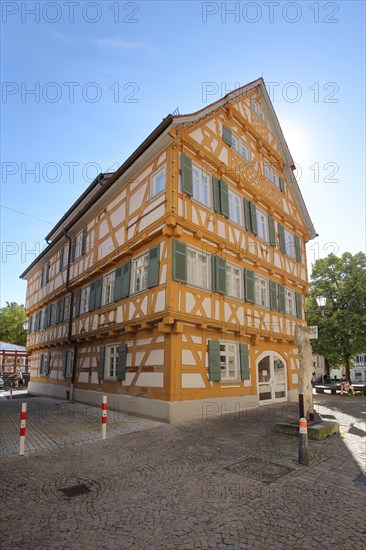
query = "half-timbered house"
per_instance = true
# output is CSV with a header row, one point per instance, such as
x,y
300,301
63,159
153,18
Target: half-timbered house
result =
x,y
174,284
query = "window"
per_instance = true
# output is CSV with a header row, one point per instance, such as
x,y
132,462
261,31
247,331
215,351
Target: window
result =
x,y
43,318
258,111
234,281
157,182
201,187
67,366
290,244
45,273
290,302
108,288
111,364
84,300
198,273
271,175
228,361
44,363
262,225
235,207
140,268
244,151
78,244
261,292
236,143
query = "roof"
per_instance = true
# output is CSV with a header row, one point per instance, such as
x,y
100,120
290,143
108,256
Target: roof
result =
x,y
104,181
5,346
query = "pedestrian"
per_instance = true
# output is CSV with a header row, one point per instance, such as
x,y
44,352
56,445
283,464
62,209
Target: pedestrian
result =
x,y
346,384
18,377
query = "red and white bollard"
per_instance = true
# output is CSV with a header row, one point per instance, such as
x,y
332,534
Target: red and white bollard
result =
x,y
303,442
104,417
22,429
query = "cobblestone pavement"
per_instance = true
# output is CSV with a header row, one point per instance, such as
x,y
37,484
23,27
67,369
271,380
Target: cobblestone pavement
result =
x,y
226,482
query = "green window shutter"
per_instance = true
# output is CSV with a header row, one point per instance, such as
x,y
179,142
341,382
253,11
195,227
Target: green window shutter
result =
x,y
48,267
244,361
117,293
186,166
47,317
253,217
224,196
281,237
179,261
83,240
98,292
216,194
48,363
73,248
214,369
282,185
122,360
58,312
101,362
62,309
61,264
154,264
249,285
226,134
297,248
218,274
64,362
126,275
91,306
247,218
298,303
77,302
273,295
281,299
272,231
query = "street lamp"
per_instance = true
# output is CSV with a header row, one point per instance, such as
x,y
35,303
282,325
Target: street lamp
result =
x,y
322,302
25,325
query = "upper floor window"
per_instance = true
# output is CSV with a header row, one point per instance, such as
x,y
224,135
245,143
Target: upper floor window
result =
x,y
45,273
271,175
290,244
234,281
290,302
53,313
108,288
261,291
201,185
198,268
78,244
157,182
139,275
262,225
235,207
67,307
258,110
84,300
43,318
235,143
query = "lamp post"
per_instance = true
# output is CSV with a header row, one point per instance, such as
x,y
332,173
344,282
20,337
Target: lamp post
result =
x,y
25,325
322,302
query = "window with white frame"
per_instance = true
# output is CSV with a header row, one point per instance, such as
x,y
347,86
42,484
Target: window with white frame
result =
x,y
69,357
43,318
78,245
198,268
261,291
139,273
108,288
240,147
111,362
235,207
157,182
290,244
229,363
84,300
262,225
234,281
271,175
201,185
258,110
290,302
43,363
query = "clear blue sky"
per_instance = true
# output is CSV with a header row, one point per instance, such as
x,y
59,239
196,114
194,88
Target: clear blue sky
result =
x,y
106,73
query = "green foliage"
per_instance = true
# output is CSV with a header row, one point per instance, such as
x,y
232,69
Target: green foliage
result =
x,y
342,328
12,318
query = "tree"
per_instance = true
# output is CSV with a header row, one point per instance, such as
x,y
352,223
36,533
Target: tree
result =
x,y
342,324
12,318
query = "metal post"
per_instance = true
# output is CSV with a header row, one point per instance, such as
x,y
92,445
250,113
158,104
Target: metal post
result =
x,y
22,429
104,417
303,442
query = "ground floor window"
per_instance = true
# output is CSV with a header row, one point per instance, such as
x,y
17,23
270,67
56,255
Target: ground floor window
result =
x,y
68,362
111,363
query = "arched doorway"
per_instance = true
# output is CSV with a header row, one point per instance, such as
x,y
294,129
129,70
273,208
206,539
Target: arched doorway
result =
x,y
271,378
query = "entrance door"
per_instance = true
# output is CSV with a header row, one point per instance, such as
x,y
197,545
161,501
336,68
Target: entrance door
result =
x,y
271,371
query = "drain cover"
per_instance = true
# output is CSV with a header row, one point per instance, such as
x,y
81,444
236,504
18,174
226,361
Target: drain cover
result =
x,y
259,469
75,490
361,479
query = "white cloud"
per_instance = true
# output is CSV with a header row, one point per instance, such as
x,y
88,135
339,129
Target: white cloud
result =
x,y
124,44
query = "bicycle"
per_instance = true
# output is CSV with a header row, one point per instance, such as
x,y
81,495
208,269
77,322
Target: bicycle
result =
x,y
11,385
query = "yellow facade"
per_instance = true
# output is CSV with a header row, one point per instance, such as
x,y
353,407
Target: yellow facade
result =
x,y
220,184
